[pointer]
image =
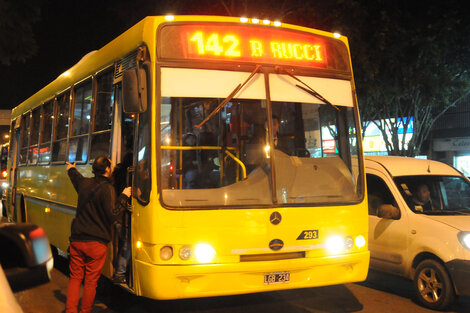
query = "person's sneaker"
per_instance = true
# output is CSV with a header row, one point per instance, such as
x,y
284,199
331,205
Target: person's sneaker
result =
x,y
119,279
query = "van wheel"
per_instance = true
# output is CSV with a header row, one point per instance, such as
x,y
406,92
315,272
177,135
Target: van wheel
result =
x,y
433,286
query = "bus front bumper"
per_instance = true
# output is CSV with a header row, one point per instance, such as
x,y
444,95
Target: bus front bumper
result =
x,y
207,280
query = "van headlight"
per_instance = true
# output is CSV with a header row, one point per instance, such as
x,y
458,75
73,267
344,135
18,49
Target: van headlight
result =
x,y
464,238
204,253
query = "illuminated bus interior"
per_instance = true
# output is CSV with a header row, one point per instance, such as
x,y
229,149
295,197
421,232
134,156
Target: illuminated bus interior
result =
x,y
221,162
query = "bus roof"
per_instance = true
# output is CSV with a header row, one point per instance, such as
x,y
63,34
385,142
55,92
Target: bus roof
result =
x,y
88,65
142,32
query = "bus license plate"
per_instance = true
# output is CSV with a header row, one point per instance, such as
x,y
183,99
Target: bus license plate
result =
x,y
276,278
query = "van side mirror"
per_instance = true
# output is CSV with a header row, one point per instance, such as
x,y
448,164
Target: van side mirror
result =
x,y
134,90
388,211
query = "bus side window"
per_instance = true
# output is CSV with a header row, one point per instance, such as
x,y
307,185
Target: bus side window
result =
x,y
81,115
103,114
59,145
24,138
34,136
45,134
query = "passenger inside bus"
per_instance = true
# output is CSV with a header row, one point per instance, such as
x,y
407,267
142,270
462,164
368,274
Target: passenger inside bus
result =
x,y
121,244
209,171
190,168
280,143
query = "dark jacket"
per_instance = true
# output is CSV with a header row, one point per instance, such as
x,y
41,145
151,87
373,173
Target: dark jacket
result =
x,y
97,208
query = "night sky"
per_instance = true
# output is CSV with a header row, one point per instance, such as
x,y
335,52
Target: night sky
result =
x,y
66,32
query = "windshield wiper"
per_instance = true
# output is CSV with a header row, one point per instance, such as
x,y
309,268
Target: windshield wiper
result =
x,y
309,89
230,96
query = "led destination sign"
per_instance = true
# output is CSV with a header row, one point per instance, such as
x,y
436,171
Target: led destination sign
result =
x,y
243,43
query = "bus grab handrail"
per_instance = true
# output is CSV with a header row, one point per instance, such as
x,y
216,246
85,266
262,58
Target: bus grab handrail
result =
x,y
238,161
210,148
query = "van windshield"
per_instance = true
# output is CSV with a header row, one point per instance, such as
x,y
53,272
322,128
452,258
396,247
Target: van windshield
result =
x,y
435,195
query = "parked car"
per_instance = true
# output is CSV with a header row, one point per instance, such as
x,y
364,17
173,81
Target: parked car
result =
x,y
4,165
3,176
8,301
26,261
419,225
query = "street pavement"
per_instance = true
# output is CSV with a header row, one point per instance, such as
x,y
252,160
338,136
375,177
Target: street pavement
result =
x,y
380,293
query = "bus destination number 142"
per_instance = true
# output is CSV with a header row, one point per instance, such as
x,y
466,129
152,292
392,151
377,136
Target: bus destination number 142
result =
x,y
231,46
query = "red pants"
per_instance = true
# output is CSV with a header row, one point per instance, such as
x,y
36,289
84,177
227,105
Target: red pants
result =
x,y
86,261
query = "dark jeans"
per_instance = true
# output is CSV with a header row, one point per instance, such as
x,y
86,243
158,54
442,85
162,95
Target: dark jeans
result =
x,y
124,251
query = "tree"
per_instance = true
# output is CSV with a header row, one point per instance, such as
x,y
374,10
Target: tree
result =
x,y
411,60
17,18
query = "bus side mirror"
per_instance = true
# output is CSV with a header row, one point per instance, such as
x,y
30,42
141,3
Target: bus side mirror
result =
x,y
388,211
134,90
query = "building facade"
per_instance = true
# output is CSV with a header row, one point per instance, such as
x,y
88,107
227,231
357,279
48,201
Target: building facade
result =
x,y
449,140
5,117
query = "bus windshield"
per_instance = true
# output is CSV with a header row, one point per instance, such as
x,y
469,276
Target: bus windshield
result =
x,y
306,153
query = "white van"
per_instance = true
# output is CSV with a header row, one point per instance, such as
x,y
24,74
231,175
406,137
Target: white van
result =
x,y
419,225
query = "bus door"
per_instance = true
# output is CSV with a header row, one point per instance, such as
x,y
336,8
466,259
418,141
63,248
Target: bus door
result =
x,y
131,94
15,147
123,157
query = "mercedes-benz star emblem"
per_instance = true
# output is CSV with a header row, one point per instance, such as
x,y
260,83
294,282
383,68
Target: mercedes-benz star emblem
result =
x,y
276,244
275,218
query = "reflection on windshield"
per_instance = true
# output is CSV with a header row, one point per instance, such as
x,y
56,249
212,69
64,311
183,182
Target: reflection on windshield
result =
x,y
229,97
231,160
435,194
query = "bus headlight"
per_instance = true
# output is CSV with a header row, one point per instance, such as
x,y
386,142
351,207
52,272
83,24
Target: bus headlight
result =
x,y
348,243
185,253
204,253
464,238
360,241
166,253
335,244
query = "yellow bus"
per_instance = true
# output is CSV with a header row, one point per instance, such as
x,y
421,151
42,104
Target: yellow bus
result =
x,y
244,136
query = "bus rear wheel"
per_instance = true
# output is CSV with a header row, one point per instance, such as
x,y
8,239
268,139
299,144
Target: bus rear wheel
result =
x,y
433,286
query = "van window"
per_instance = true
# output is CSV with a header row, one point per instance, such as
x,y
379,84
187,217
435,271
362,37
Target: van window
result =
x,y
378,193
436,195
